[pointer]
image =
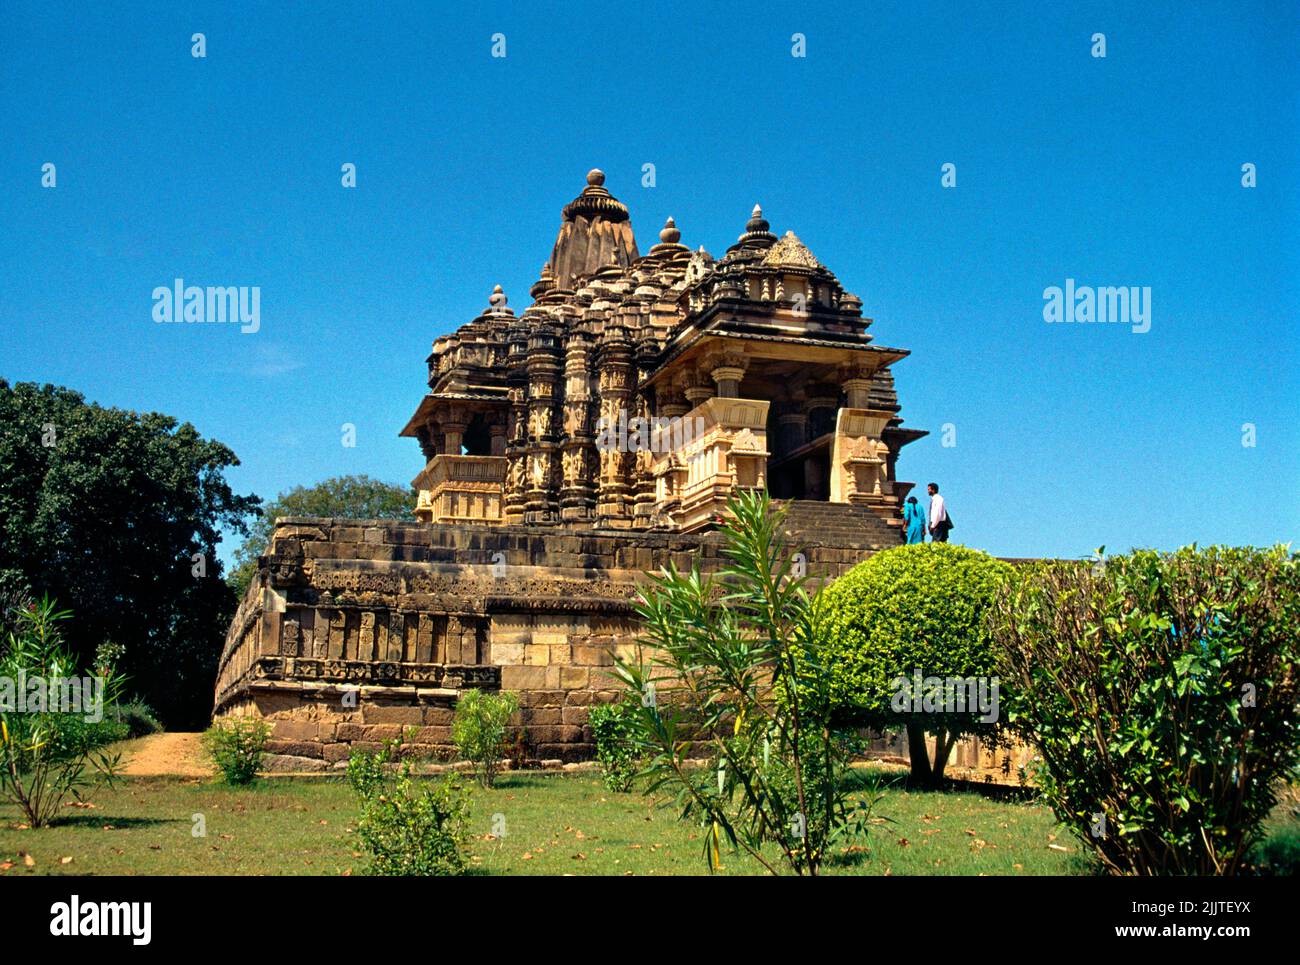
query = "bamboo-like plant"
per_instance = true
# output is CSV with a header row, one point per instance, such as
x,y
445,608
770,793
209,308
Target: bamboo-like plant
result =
x,y
47,752
730,670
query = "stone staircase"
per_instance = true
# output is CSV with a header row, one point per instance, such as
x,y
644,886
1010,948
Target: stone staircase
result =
x,y
838,524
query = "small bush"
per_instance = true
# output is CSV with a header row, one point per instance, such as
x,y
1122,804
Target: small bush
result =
x,y
1161,692
236,746
366,772
1279,854
613,730
411,828
479,730
138,719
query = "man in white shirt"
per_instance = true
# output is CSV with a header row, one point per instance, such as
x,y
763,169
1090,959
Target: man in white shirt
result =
x,y
939,524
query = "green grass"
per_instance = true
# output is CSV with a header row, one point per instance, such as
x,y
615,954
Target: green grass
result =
x,y
554,824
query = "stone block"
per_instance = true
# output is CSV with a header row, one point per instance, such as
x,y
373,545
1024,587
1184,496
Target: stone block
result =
x,y
524,678
574,678
437,716
507,653
575,715
392,714
336,752
295,730
592,655
537,655
294,748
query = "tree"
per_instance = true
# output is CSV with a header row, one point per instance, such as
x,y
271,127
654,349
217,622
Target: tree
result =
x,y
118,515
734,672
1160,690
345,497
910,647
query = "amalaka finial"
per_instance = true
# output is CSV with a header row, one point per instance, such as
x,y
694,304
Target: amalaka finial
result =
x,y
595,177
670,235
497,299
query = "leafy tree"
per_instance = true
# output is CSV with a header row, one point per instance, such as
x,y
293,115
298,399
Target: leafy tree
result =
x,y
917,611
735,671
118,514
1161,691
346,497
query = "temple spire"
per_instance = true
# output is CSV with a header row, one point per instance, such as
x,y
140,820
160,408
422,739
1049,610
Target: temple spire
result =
x,y
595,232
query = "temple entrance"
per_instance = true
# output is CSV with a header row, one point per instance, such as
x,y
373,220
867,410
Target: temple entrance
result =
x,y
804,473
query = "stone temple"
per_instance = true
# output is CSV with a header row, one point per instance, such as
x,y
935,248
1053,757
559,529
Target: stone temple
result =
x,y
567,450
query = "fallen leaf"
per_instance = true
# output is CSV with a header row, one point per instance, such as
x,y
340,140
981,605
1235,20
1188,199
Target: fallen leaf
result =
x,y
66,860
28,860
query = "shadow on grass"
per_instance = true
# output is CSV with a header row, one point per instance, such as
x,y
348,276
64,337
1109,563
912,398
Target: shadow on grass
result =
x,y
97,821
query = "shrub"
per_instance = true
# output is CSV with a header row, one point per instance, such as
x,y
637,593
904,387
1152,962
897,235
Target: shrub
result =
x,y
1161,692
1279,854
137,718
908,612
236,746
49,749
742,653
411,828
479,730
366,771
613,729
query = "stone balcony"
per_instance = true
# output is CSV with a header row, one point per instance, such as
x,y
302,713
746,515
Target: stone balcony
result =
x,y
461,489
718,447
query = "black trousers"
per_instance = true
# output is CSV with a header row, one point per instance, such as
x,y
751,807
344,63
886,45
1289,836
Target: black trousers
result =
x,y
939,534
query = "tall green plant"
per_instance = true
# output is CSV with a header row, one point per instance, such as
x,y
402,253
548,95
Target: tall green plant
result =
x,y
49,750
1161,691
732,668
479,730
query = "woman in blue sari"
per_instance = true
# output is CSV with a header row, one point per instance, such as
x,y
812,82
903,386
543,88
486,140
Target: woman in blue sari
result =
x,y
914,519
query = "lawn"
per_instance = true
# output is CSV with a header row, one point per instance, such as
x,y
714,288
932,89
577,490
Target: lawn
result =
x,y
553,823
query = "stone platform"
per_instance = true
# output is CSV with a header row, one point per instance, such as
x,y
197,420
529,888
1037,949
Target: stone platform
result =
x,y
355,632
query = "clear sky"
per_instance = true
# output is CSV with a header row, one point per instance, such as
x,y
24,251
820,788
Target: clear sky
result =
x,y
1122,170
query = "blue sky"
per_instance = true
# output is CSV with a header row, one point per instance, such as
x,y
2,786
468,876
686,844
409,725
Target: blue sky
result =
x,y
1117,171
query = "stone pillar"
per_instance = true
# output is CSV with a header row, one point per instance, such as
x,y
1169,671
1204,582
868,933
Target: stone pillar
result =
x,y
614,362
858,393
544,392
453,434
578,488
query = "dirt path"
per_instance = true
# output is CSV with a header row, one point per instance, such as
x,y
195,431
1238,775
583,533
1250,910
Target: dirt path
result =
x,y
179,755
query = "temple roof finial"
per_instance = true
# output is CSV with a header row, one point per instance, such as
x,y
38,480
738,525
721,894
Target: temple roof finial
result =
x,y
595,177
670,235
497,300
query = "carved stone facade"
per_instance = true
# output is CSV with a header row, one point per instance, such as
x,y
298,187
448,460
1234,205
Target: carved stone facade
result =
x,y
567,451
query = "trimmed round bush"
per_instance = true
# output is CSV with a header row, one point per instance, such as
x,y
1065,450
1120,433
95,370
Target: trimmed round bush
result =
x,y
912,610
